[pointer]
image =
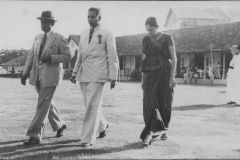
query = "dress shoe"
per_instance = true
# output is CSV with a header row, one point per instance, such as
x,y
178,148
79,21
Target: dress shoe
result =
x,y
31,141
103,133
231,102
164,136
85,145
60,131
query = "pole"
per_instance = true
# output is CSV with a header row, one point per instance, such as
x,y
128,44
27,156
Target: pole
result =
x,y
211,53
224,64
205,65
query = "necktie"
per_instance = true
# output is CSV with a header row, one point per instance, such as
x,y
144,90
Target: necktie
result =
x,y
42,45
90,35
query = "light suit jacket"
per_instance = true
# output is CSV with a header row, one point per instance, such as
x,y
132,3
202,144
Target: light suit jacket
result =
x,y
98,60
57,47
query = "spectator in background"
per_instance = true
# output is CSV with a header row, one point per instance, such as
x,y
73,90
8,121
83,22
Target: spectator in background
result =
x,y
210,73
185,75
218,70
233,85
195,75
200,71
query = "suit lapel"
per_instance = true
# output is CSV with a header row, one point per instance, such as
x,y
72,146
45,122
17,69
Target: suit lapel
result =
x,y
93,42
49,41
38,41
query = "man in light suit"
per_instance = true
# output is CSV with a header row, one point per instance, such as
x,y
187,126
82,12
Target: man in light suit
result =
x,y
96,64
43,65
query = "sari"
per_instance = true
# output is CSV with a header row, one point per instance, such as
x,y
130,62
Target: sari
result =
x,y
157,93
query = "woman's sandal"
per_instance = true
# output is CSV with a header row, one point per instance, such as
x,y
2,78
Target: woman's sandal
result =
x,y
147,141
163,136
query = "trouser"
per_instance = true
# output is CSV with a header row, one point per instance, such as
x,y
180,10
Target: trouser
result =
x,y
93,122
45,108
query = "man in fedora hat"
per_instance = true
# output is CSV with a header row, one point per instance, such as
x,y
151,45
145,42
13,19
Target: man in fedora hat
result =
x,y
233,77
43,66
97,63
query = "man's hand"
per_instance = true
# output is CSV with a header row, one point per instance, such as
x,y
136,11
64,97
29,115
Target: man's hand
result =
x,y
73,79
23,80
113,84
173,81
46,59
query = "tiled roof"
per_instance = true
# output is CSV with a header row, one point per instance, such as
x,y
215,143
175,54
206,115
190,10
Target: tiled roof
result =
x,y
15,61
188,40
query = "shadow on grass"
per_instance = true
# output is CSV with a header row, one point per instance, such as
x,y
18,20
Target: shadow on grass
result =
x,y
36,152
19,141
20,148
200,107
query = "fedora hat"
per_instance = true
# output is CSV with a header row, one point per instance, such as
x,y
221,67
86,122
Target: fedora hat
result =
x,y
47,15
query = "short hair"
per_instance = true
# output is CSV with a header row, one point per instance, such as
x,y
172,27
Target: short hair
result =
x,y
152,21
97,10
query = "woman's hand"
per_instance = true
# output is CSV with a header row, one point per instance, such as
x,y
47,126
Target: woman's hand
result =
x,y
173,81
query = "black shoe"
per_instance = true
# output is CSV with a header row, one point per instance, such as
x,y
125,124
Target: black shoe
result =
x,y
164,136
31,141
60,131
103,133
231,102
155,136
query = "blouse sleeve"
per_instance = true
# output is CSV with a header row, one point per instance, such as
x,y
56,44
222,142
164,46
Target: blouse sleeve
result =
x,y
169,40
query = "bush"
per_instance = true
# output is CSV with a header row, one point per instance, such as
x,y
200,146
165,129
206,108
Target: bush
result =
x,y
136,76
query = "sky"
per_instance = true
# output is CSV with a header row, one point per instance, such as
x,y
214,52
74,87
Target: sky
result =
x,y
19,26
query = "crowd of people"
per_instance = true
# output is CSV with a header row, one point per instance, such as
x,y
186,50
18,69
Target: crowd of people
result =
x,y
192,73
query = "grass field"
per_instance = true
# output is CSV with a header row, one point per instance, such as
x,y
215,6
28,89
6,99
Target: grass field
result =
x,y
202,126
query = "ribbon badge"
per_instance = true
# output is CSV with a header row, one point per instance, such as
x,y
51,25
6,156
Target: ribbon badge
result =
x,y
99,38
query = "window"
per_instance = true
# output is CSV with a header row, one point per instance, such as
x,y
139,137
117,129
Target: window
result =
x,y
121,62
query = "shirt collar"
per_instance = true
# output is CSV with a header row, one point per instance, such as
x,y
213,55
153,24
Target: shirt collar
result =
x,y
97,27
48,33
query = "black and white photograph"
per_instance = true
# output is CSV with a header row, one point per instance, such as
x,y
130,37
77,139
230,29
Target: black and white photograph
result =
x,y
119,80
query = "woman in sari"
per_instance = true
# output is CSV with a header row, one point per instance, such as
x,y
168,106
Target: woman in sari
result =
x,y
158,68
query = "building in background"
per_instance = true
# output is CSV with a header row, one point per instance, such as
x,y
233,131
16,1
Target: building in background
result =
x,y
178,18
201,47
12,61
